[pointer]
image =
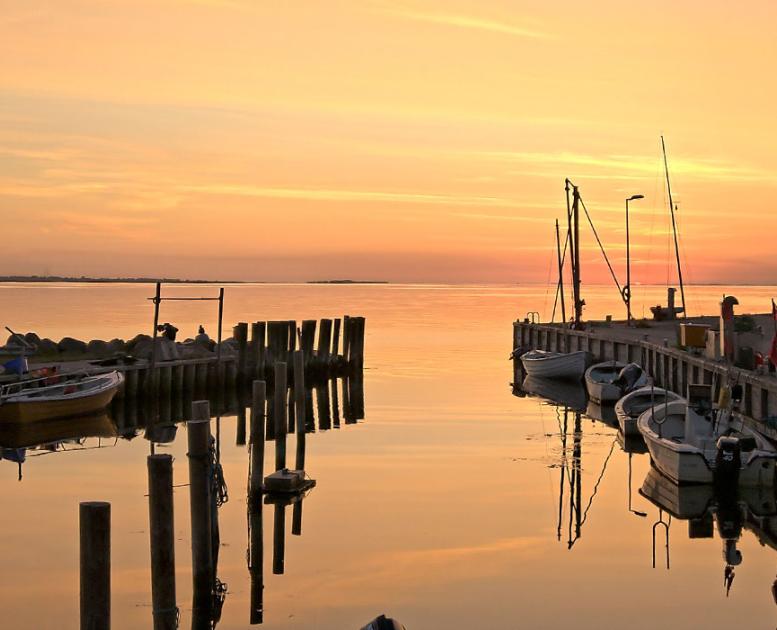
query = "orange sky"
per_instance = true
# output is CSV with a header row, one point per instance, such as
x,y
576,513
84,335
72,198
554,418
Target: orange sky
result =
x,y
382,139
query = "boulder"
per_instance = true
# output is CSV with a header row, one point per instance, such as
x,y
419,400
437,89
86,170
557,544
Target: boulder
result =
x,y
98,348
116,346
166,350
47,347
135,341
32,338
68,344
229,348
192,350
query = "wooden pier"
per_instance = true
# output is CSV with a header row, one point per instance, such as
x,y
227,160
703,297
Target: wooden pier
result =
x,y
671,367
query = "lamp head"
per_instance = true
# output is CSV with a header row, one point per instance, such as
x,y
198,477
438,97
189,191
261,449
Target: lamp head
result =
x,y
633,197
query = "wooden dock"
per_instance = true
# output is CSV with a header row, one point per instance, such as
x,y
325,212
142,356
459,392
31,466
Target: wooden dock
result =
x,y
671,367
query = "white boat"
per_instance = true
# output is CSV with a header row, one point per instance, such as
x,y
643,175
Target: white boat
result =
x,y
692,443
635,403
36,400
544,364
609,381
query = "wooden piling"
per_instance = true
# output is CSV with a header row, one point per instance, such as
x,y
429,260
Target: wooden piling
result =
x,y
336,339
256,555
257,438
280,416
299,403
335,404
162,539
324,341
240,333
308,335
165,376
201,378
200,507
279,538
258,332
131,383
322,406
277,341
292,336
189,377
346,337
95,578
296,519
240,425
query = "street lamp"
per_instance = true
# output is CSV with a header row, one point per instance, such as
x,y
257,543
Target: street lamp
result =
x,y
627,288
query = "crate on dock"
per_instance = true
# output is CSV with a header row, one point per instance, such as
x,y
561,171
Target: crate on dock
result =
x,y
693,335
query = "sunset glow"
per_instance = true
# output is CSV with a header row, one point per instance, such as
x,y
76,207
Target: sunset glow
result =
x,y
394,140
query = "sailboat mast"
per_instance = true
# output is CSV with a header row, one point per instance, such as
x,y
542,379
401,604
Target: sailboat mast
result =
x,y
674,228
560,276
576,239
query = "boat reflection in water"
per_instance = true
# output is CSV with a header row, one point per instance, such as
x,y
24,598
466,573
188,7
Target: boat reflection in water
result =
x,y
563,393
704,507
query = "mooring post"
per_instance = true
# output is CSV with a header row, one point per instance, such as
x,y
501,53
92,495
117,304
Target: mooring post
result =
x,y
200,505
95,543
257,347
358,351
257,439
162,535
346,337
322,406
336,339
299,404
292,336
296,519
240,333
256,557
240,426
277,341
280,416
324,341
335,404
308,335
279,538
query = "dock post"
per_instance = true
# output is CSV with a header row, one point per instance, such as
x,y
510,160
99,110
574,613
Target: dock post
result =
x,y
360,326
95,550
335,404
346,338
299,404
162,535
336,339
322,405
279,539
240,426
296,519
240,332
277,341
324,342
292,336
200,507
189,377
165,376
308,334
257,439
257,347
280,416
256,553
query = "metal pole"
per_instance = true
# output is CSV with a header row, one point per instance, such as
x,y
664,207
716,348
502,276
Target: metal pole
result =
x,y
628,268
221,319
576,268
157,301
560,276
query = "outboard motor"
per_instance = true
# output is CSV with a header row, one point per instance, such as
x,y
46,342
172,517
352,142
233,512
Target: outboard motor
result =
x,y
628,377
728,461
384,623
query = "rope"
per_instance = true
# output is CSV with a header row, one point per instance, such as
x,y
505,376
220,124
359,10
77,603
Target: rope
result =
x,y
604,253
596,487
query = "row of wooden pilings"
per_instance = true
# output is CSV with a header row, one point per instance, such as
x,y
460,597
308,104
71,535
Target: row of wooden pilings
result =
x,y
95,522
269,342
670,367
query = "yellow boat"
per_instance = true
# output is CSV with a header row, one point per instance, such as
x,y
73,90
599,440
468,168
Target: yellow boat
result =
x,y
35,401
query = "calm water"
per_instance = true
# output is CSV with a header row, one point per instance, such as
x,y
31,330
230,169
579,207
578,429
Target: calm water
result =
x,y
440,508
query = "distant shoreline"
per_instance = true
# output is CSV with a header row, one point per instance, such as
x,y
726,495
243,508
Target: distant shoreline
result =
x,y
113,280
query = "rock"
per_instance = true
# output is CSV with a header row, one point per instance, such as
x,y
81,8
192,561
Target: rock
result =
x,y
116,346
98,348
229,348
166,349
192,350
32,338
135,341
205,341
68,344
47,347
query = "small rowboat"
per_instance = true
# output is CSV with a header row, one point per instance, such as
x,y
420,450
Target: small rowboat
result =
x,y
33,401
635,403
609,381
543,364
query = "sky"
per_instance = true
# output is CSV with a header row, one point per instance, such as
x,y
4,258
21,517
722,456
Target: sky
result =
x,y
397,140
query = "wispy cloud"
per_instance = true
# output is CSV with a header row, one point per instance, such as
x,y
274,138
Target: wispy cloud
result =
x,y
459,20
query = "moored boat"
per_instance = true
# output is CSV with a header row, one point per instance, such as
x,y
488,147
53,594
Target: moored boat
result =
x,y
693,443
629,408
609,381
544,364
34,401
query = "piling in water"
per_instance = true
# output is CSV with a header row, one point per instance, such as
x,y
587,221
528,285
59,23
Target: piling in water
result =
x,y
161,530
95,583
299,404
257,440
280,416
200,505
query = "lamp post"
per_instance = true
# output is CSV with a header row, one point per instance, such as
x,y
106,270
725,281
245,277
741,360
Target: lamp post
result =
x,y
627,288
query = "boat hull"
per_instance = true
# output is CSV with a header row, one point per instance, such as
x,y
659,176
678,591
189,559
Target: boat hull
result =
x,y
569,366
25,412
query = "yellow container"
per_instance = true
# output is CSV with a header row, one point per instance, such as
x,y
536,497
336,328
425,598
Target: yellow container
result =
x,y
693,335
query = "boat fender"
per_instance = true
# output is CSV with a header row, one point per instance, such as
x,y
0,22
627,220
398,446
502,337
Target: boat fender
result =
x,y
728,461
